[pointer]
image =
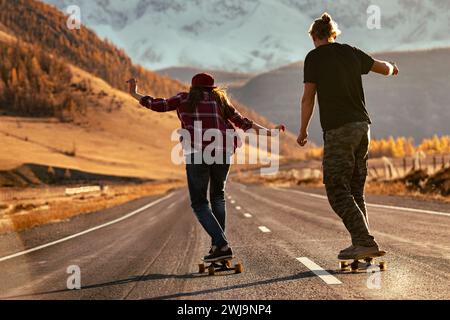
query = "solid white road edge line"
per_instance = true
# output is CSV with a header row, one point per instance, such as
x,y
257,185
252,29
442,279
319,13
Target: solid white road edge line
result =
x,y
437,213
129,215
319,271
264,229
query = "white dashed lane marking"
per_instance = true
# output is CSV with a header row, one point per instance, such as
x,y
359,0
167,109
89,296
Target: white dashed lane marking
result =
x,y
247,215
264,229
319,271
238,208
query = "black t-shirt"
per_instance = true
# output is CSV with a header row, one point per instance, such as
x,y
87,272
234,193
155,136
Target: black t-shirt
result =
x,y
336,69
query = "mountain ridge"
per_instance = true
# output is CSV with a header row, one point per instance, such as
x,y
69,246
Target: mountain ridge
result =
x,y
255,35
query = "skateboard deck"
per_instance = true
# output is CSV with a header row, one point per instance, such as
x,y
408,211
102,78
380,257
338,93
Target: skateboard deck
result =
x,y
363,264
220,266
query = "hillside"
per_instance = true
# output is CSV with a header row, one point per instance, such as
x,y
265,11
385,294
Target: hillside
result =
x,y
113,137
414,104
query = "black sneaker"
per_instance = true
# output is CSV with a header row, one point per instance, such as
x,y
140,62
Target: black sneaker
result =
x,y
219,255
213,248
359,252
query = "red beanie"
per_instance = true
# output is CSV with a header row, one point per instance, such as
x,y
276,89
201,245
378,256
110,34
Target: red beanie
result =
x,y
203,80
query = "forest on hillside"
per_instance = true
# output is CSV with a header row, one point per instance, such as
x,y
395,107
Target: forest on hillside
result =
x,y
34,83
45,27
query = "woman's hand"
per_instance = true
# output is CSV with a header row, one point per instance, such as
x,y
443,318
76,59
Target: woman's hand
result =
x,y
278,129
132,86
260,129
302,138
132,89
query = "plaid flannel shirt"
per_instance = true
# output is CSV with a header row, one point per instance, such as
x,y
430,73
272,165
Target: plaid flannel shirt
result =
x,y
207,112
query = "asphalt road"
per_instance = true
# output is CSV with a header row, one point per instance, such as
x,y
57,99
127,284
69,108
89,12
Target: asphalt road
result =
x,y
153,253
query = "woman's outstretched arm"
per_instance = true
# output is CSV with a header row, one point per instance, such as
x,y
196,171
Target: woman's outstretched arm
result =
x,y
158,105
245,124
261,129
132,89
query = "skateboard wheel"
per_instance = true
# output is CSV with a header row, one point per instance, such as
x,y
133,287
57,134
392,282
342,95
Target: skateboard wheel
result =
x,y
228,264
368,260
211,270
239,268
355,266
383,266
343,265
201,268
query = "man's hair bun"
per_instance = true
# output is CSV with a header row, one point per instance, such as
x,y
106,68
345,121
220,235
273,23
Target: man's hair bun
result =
x,y
326,18
324,28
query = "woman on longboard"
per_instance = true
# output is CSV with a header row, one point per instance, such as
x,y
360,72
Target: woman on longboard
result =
x,y
333,71
203,108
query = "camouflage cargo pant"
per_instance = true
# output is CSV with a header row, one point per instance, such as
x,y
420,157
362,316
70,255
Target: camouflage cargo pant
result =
x,y
345,170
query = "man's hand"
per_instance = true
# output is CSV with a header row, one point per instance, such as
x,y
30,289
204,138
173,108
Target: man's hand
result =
x,y
132,86
302,139
395,71
385,68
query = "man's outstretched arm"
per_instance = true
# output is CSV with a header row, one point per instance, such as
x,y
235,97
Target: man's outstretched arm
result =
x,y
385,68
308,101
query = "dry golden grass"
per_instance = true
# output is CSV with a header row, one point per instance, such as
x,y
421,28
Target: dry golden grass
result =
x,y
292,178
400,189
31,213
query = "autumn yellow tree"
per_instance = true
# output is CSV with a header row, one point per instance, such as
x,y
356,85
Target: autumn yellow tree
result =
x,y
13,78
435,145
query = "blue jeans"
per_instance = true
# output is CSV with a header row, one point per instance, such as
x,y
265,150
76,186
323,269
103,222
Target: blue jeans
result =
x,y
212,219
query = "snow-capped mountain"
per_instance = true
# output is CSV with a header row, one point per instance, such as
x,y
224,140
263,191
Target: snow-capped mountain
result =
x,y
255,35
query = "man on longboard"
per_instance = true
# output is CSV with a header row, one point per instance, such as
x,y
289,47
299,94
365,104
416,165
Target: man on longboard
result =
x,y
333,71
